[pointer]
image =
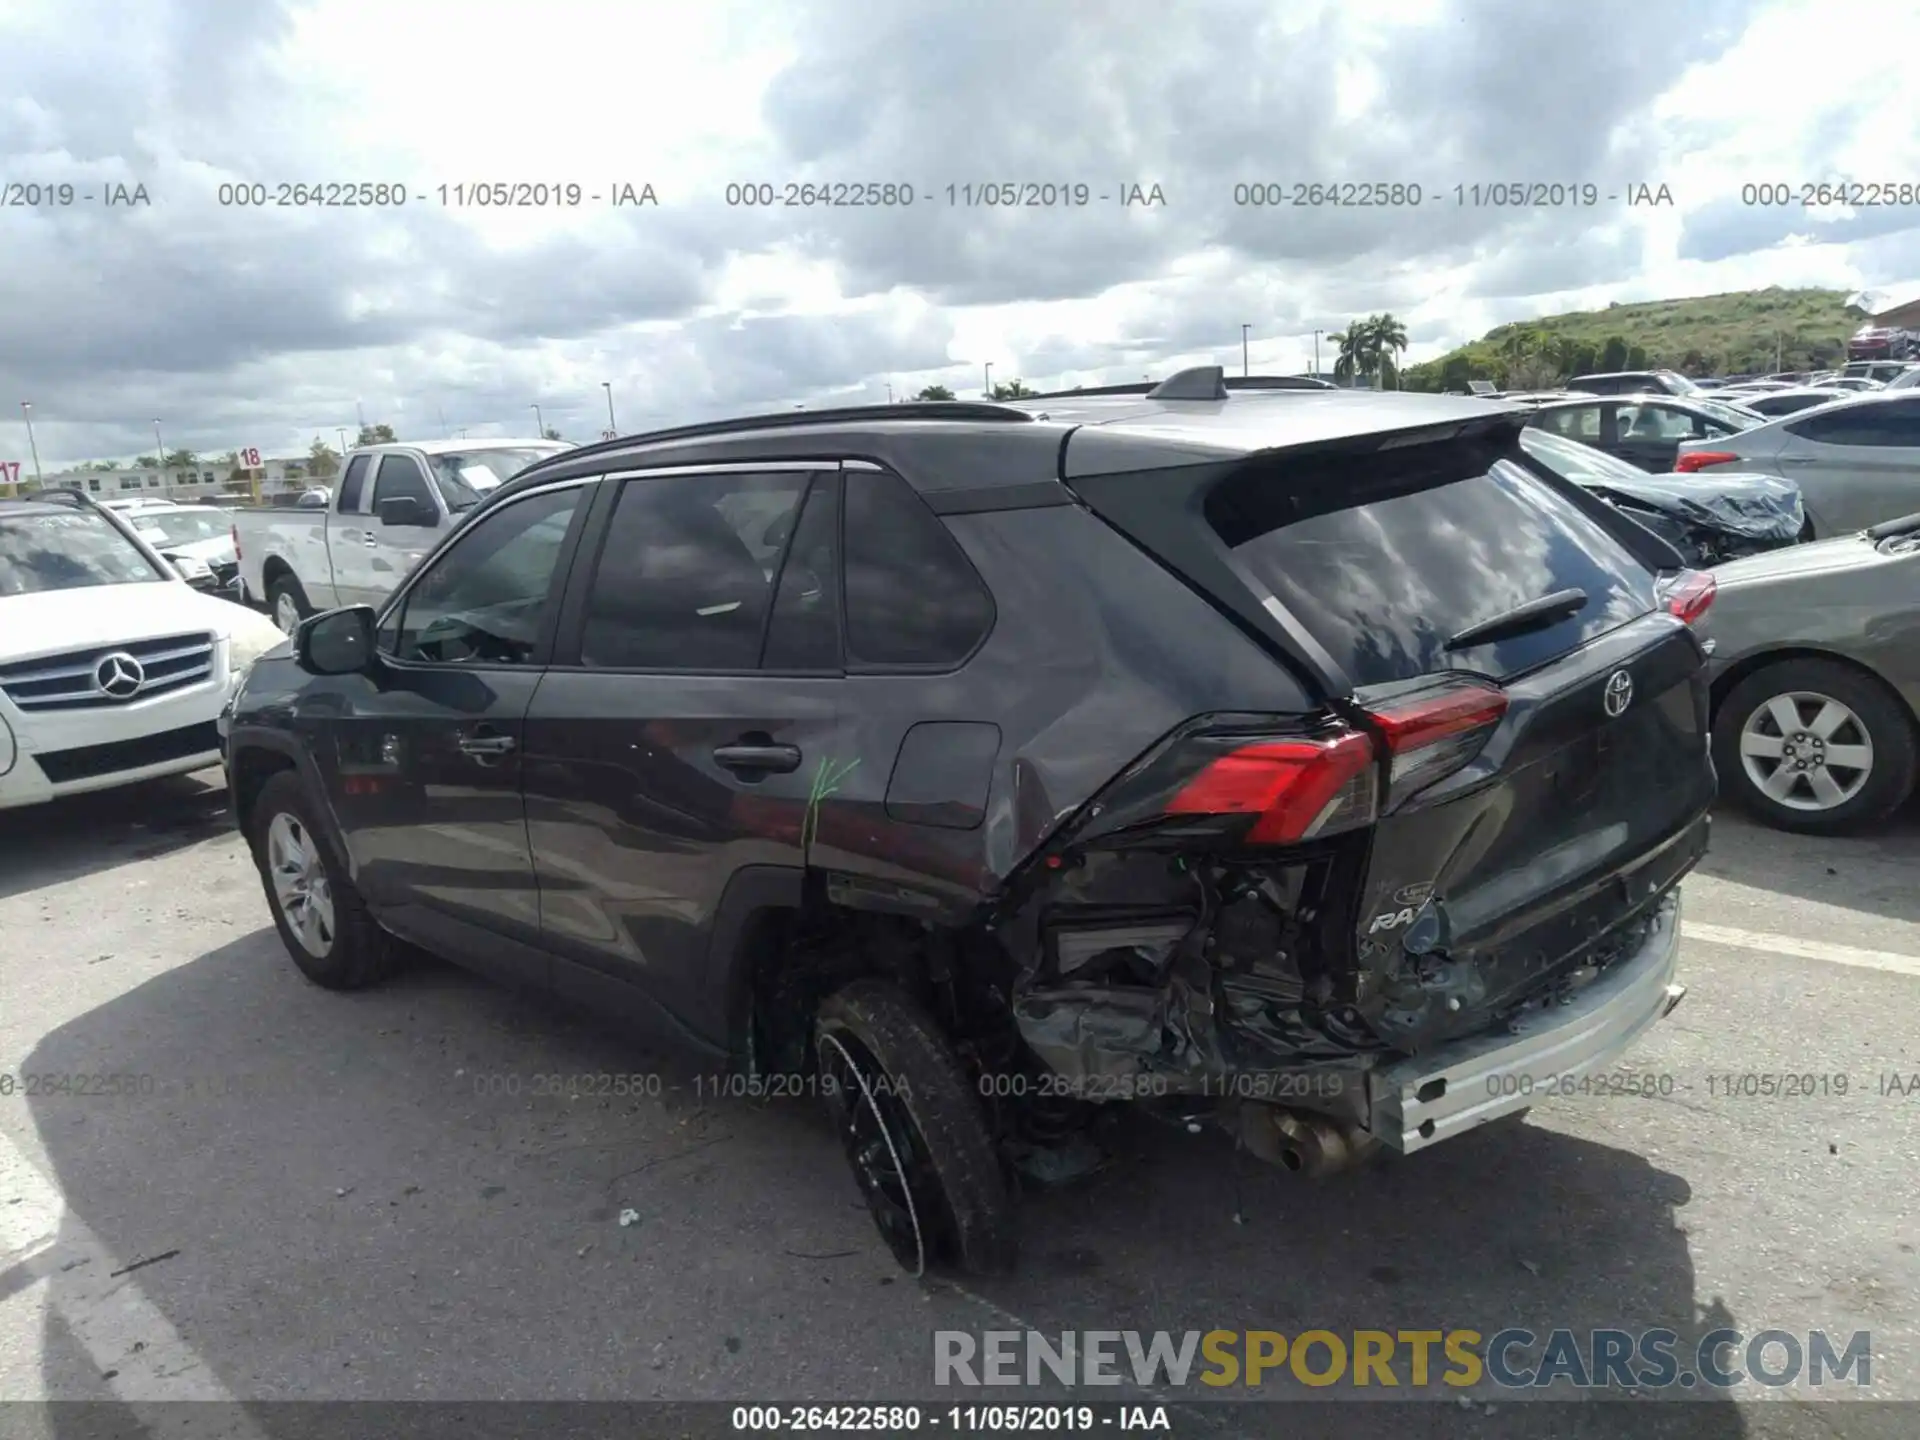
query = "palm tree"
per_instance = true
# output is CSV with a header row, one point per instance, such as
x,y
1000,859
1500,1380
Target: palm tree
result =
x,y
935,392
1388,339
1354,358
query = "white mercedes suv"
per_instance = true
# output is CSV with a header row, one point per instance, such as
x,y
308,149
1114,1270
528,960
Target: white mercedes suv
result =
x,y
112,668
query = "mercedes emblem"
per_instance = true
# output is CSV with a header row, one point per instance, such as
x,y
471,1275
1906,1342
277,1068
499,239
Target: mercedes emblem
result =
x,y
119,676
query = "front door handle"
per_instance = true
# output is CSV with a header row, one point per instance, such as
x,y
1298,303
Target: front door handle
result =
x,y
768,759
485,744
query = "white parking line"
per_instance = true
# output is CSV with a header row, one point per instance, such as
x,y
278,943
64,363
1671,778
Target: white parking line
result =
x,y
1890,961
122,1331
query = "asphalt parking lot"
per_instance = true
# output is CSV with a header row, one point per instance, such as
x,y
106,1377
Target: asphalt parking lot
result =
x,y
334,1197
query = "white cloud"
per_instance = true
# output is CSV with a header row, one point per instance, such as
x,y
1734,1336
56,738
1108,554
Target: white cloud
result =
x,y
266,327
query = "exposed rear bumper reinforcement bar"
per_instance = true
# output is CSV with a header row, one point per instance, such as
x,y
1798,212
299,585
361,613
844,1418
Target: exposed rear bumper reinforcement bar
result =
x,y
1472,1081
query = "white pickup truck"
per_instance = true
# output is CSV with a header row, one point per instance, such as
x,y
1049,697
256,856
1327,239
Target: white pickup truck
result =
x,y
390,506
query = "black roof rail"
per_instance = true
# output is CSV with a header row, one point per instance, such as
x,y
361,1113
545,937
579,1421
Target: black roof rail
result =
x,y
1202,382
1232,382
792,420
61,495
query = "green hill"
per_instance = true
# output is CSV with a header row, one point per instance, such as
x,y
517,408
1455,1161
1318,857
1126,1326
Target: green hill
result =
x,y
1727,334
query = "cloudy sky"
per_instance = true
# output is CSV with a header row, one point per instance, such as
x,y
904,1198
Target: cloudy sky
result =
x,y
268,327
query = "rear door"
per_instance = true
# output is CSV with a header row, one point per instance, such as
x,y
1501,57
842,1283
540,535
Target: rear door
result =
x,y
1856,465
1586,800
678,739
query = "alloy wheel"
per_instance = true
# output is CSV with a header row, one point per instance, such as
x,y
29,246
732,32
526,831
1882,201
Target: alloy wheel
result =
x,y
286,612
300,885
889,1156
1806,751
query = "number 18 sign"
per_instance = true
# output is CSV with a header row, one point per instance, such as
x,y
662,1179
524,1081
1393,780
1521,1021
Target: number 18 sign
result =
x,y
250,459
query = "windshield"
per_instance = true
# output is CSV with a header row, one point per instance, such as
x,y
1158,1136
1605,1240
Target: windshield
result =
x,y
182,527
1726,414
1571,460
67,552
466,475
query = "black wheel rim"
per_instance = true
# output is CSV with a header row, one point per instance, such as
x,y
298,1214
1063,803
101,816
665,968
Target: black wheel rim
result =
x,y
890,1160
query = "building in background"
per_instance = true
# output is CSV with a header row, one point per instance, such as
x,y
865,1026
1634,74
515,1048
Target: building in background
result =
x,y
211,480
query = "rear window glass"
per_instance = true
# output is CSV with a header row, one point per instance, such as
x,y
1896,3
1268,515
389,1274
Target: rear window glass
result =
x,y
1384,558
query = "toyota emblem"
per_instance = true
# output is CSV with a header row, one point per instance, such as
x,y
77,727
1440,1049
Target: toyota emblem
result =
x,y
119,675
1618,694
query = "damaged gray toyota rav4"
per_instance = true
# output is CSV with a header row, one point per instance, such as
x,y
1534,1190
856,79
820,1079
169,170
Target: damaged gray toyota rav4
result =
x,y
1298,760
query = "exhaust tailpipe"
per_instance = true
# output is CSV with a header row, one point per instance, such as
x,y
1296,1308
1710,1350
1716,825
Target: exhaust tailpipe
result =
x,y
1309,1145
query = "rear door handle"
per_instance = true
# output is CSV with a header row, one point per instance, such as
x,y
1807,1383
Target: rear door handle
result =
x,y
485,744
772,759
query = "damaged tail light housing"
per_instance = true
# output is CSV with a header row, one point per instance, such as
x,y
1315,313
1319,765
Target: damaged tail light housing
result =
x,y
1304,788
1690,594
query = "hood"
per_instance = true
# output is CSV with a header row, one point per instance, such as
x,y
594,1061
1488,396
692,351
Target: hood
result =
x,y
49,622
1755,507
215,551
1817,557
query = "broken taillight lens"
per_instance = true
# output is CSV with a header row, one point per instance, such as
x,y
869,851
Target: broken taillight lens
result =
x,y
1690,595
1299,789
1434,732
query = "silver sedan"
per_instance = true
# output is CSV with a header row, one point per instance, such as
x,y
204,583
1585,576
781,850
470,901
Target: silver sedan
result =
x,y
1816,678
1857,461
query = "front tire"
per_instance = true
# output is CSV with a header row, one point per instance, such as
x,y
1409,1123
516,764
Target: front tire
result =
x,y
914,1132
325,925
287,603
1814,746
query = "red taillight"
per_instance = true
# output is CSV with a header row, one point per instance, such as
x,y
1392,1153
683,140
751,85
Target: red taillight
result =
x,y
1698,460
1432,734
1689,596
1298,788
1301,789
234,531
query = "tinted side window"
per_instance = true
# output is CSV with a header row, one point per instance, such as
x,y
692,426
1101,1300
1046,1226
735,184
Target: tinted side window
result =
x,y
1896,424
401,476
687,570
482,602
353,484
804,633
913,597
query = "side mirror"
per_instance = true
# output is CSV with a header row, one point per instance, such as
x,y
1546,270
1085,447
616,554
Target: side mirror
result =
x,y
340,642
406,510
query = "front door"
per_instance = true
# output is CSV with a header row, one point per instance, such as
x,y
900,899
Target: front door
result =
x,y
687,727
381,555
429,751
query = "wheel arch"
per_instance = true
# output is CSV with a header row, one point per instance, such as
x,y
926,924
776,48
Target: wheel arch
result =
x,y
1749,665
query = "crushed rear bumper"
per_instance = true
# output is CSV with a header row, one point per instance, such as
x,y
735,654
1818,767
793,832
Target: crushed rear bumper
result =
x,y
1428,1098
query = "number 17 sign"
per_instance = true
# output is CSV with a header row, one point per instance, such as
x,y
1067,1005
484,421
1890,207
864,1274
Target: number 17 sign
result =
x,y
9,472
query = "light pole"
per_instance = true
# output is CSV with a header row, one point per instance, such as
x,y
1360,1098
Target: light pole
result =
x,y
539,421
1316,350
989,374
160,452
889,392
27,410
607,385
1243,350
341,431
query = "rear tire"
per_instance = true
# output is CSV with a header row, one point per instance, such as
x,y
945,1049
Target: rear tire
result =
x,y
287,602
914,1132
328,931
1780,735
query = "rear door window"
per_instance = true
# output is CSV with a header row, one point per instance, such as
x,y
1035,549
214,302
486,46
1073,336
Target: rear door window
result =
x,y
913,597
1382,561
1895,424
354,484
